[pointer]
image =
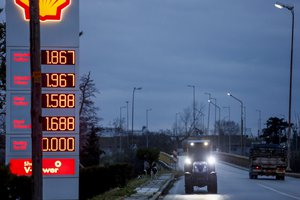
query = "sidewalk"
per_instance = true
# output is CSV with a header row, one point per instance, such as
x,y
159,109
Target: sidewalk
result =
x,y
152,189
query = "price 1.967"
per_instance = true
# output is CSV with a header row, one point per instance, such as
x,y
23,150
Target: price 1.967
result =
x,y
58,80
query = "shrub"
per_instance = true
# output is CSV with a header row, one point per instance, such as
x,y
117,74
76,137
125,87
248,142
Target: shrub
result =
x,y
14,187
97,180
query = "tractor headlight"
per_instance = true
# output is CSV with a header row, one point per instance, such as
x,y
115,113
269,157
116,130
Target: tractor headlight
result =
x,y
188,161
211,160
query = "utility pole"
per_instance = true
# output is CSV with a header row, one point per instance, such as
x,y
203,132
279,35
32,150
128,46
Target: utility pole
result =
x,y
208,116
194,109
127,123
259,122
36,101
242,121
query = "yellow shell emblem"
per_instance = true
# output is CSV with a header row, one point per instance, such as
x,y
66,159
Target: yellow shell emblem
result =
x,y
50,10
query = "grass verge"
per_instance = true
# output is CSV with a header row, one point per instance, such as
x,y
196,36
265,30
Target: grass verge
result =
x,y
121,193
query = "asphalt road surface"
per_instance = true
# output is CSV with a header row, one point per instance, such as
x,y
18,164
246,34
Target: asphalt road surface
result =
x,y
234,184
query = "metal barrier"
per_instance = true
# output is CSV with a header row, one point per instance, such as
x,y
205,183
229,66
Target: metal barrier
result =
x,y
167,160
242,161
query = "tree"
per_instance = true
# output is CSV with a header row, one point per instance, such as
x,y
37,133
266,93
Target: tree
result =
x,y
2,84
87,109
89,120
92,151
227,127
186,118
2,74
275,133
2,63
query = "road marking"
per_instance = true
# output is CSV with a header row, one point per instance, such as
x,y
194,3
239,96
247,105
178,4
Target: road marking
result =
x,y
282,193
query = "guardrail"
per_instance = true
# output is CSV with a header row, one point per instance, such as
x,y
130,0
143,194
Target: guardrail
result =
x,y
167,160
242,161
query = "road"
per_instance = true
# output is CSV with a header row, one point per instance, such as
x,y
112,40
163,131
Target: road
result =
x,y
234,184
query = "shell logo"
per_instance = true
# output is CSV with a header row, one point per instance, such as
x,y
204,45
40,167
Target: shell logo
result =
x,y
50,10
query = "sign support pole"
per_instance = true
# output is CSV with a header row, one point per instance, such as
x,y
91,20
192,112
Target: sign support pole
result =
x,y
36,106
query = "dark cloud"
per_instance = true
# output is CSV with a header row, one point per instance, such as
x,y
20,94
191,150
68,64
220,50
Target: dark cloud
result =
x,y
164,45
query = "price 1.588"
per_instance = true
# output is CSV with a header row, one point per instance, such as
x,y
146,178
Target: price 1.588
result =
x,y
53,100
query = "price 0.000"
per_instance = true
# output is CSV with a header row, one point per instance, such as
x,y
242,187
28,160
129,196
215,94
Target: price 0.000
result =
x,y
58,100
58,144
59,123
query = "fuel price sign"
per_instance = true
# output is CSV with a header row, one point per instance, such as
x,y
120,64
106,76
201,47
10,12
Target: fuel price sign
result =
x,y
60,93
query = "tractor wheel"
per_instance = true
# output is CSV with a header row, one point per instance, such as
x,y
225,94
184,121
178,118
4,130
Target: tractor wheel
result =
x,y
212,186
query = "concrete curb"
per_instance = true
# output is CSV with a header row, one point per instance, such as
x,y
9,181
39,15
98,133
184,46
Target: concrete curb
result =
x,y
162,189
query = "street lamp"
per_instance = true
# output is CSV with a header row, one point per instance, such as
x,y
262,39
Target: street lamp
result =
x,y
229,133
218,107
120,123
259,121
147,111
227,107
290,8
127,122
176,128
194,112
215,110
132,113
120,126
242,127
208,116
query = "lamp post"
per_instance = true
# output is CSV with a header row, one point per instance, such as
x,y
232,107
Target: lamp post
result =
x,y
259,121
120,126
208,116
242,126
127,123
217,107
227,107
290,8
147,111
215,111
127,116
120,123
194,109
229,134
132,113
176,128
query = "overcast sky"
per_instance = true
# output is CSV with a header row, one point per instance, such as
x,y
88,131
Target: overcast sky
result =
x,y
237,46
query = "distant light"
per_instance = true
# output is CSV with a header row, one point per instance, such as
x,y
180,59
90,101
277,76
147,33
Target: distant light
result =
x,y
228,93
205,143
278,6
209,100
192,144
